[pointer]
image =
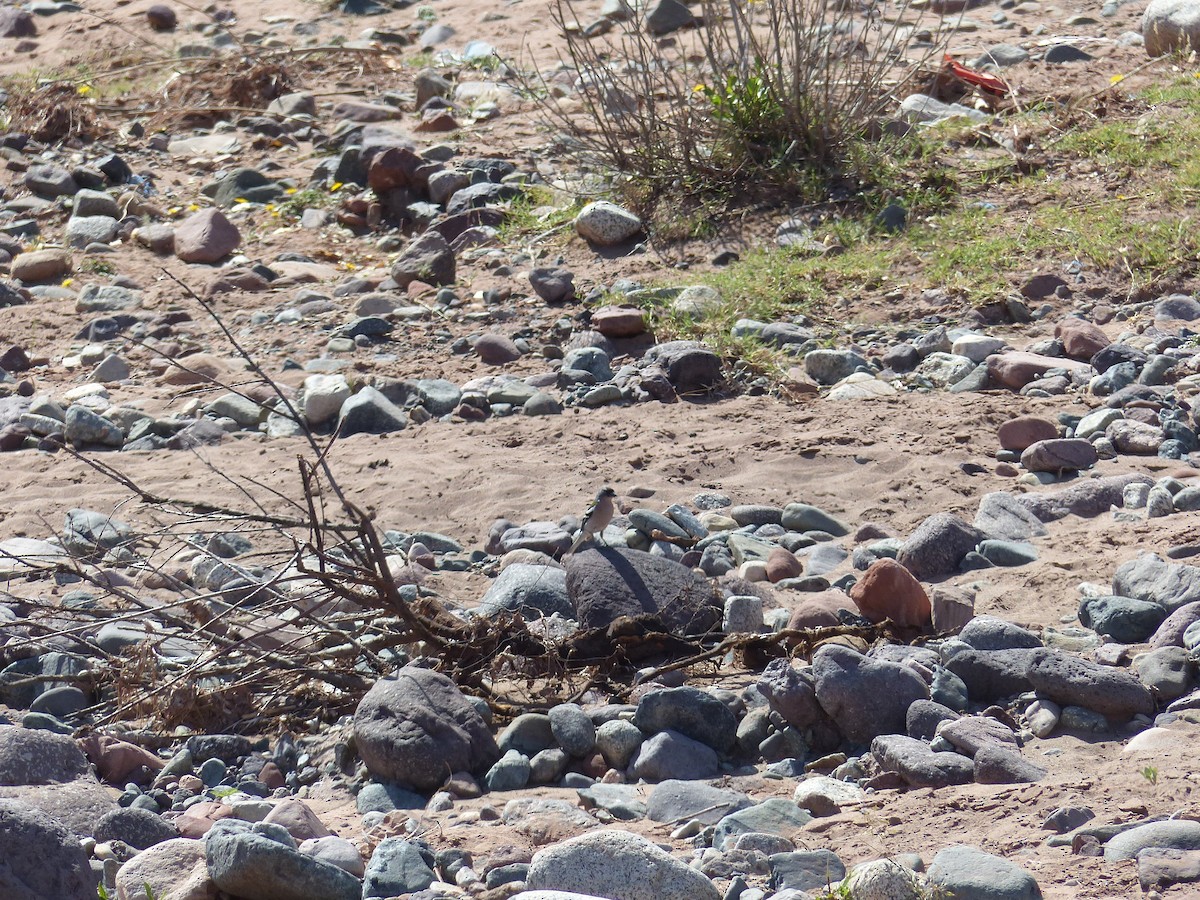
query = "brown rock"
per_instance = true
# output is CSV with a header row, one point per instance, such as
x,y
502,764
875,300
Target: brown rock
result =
x,y
1017,368
1081,339
1138,438
1059,455
206,237
360,111
300,821
41,265
952,609
198,368
496,349
392,168
161,17
820,610
1040,286
16,23
887,590
619,321
1023,431
115,760
436,120
200,817
782,564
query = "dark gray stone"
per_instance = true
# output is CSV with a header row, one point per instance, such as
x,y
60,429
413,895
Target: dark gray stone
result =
x,y
396,867
1124,619
29,756
691,367
1002,517
370,412
992,633
675,801
256,863
528,733
938,546
992,675
1174,834
996,764
924,716
573,729
864,697
606,583
691,712
39,858
138,828
428,258
418,728
671,755
918,765
1086,498
1070,681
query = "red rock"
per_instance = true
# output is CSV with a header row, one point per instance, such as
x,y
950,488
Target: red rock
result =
x,y
1017,368
392,168
115,760
271,776
1081,339
496,349
619,321
783,564
199,818
206,237
299,820
819,610
1019,433
887,590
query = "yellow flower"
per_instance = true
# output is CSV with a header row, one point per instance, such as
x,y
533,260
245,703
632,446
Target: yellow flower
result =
x,y
173,210
1116,79
698,88
84,89
291,190
193,207
67,282
336,186
241,200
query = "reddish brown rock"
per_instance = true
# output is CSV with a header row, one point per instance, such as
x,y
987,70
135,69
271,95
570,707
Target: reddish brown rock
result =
x,y
1081,339
206,237
619,321
783,564
1017,368
116,761
887,590
200,817
820,610
496,349
1023,431
299,820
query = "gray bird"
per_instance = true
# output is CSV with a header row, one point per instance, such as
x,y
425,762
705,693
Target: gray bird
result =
x,y
596,519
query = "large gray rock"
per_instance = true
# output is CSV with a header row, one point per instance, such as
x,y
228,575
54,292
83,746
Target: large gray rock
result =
x,y
919,765
138,828
206,237
691,712
618,865
1171,26
678,801
790,694
671,755
1071,681
969,874
573,729
606,224
773,816
606,583
1174,834
831,366
993,633
1124,619
534,591
1059,455
1086,498
261,862
1001,516
863,696
396,867
991,674
937,547
427,258
29,756
995,764
417,729
691,367
1150,578
40,859
806,870
370,412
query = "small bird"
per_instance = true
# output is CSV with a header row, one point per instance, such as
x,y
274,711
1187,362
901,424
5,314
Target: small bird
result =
x,y
596,519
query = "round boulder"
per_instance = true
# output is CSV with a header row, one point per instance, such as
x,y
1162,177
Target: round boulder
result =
x,y
418,728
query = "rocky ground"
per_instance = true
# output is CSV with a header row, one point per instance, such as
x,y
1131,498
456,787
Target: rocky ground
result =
x,y
930,574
